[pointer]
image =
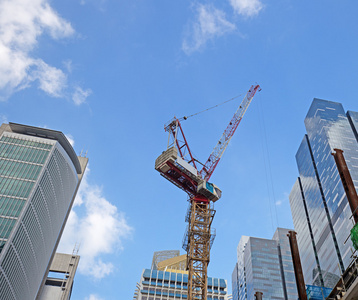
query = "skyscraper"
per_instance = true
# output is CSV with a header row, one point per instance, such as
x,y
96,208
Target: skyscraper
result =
x,y
168,280
235,283
39,177
265,266
320,210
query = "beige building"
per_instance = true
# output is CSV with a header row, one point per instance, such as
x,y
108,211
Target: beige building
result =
x,y
59,281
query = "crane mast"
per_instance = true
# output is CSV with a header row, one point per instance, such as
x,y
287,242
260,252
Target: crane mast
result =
x,y
178,165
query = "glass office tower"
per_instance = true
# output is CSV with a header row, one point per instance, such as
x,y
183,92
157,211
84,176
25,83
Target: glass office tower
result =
x,y
266,266
235,283
39,177
320,210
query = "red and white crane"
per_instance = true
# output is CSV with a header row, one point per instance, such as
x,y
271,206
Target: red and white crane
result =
x,y
178,165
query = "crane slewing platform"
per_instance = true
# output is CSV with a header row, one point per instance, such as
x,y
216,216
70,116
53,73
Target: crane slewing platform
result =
x,y
178,165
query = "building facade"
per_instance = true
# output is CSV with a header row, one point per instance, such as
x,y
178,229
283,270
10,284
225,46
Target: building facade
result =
x,y
170,280
60,278
235,283
265,266
39,177
320,209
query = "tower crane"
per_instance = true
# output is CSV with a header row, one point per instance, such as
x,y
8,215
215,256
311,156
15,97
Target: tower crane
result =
x,y
178,165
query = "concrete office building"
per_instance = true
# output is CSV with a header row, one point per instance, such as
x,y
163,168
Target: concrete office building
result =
x,y
39,177
59,281
264,266
168,280
320,209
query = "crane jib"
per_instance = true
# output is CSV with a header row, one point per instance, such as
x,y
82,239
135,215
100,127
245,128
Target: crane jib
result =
x,y
220,147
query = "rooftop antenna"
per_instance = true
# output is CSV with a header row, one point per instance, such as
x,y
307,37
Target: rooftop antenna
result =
x,y
76,248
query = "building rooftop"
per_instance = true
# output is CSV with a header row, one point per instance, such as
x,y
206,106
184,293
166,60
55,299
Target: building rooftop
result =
x,y
49,134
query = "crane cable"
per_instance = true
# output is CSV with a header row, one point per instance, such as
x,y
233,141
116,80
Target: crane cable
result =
x,y
186,117
268,169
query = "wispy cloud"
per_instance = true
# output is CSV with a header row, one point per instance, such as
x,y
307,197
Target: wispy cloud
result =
x,y
3,118
210,23
98,226
22,23
80,95
246,8
70,139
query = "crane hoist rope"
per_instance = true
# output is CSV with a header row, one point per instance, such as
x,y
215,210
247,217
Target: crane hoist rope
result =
x,y
212,107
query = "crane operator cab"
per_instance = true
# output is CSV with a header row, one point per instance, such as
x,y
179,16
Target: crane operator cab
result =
x,y
209,190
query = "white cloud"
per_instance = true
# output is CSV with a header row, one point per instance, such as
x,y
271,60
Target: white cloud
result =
x,y
22,23
70,139
93,297
3,118
51,80
68,65
80,95
210,23
246,8
278,202
98,226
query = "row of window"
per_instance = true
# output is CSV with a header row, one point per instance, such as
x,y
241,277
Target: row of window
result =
x,y
148,285
15,187
25,142
22,153
6,226
19,169
172,297
177,283
10,207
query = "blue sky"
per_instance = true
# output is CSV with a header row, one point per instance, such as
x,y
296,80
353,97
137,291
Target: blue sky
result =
x,y
109,74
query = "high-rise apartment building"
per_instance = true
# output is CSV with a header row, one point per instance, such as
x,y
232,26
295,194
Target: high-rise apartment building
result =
x,y
168,280
320,209
39,177
265,266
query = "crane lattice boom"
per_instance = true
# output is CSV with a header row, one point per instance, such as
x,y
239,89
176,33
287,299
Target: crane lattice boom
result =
x,y
220,147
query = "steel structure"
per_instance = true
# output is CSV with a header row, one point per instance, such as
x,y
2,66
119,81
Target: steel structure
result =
x,y
178,165
160,256
297,267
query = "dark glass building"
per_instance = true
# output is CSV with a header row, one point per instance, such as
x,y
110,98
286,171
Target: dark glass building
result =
x,y
320,209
